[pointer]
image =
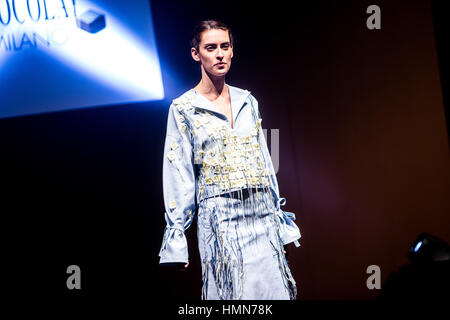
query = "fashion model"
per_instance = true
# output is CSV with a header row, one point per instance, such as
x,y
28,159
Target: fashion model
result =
x,y
217,164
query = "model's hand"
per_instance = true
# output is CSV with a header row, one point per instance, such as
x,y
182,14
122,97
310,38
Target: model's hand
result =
x,y
183,267
180,266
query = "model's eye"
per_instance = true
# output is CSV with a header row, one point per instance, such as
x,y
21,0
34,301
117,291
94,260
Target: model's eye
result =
x,y
210,48
225,46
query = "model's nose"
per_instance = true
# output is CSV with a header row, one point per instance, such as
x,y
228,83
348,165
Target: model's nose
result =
x,y
220,54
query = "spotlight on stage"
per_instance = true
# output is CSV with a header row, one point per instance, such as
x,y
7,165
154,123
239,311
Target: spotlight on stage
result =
x,y
426,249
426,278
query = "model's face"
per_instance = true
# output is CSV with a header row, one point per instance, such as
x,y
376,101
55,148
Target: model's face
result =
x,y
214,52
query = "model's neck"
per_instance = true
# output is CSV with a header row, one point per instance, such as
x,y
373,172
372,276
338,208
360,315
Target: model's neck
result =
x,y
210,86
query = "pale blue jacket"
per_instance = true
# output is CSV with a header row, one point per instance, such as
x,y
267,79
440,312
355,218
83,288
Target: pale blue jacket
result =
x,y
194,127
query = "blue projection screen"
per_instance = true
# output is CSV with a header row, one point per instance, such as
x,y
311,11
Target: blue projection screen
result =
x,y
65,54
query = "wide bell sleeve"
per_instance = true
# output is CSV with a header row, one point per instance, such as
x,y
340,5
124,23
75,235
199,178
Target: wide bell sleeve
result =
x,y
178,188
288,230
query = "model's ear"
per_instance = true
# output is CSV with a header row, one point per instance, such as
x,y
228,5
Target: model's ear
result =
x,y
194,54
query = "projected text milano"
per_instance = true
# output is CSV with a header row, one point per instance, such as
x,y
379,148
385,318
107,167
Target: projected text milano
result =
x,y
34,23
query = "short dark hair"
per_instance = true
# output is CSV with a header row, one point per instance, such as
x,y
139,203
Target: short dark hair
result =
x,y
208,25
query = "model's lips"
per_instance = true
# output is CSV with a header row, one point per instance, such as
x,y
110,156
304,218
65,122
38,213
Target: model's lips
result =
x,y
220,64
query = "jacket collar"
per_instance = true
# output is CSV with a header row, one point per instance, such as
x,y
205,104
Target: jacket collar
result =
x,y
238,99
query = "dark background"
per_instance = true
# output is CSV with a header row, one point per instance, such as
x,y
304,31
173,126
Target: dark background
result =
x,y
363,155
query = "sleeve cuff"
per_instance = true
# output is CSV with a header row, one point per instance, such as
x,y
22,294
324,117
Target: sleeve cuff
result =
x,y
174,247
289,231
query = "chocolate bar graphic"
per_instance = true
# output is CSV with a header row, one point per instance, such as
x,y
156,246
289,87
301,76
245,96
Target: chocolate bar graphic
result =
x,y
91,21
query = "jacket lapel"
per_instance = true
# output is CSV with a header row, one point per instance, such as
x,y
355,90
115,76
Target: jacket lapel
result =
x,y
202,103
238,99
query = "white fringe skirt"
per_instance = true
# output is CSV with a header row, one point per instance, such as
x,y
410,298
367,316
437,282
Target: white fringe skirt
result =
x,y
241,250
